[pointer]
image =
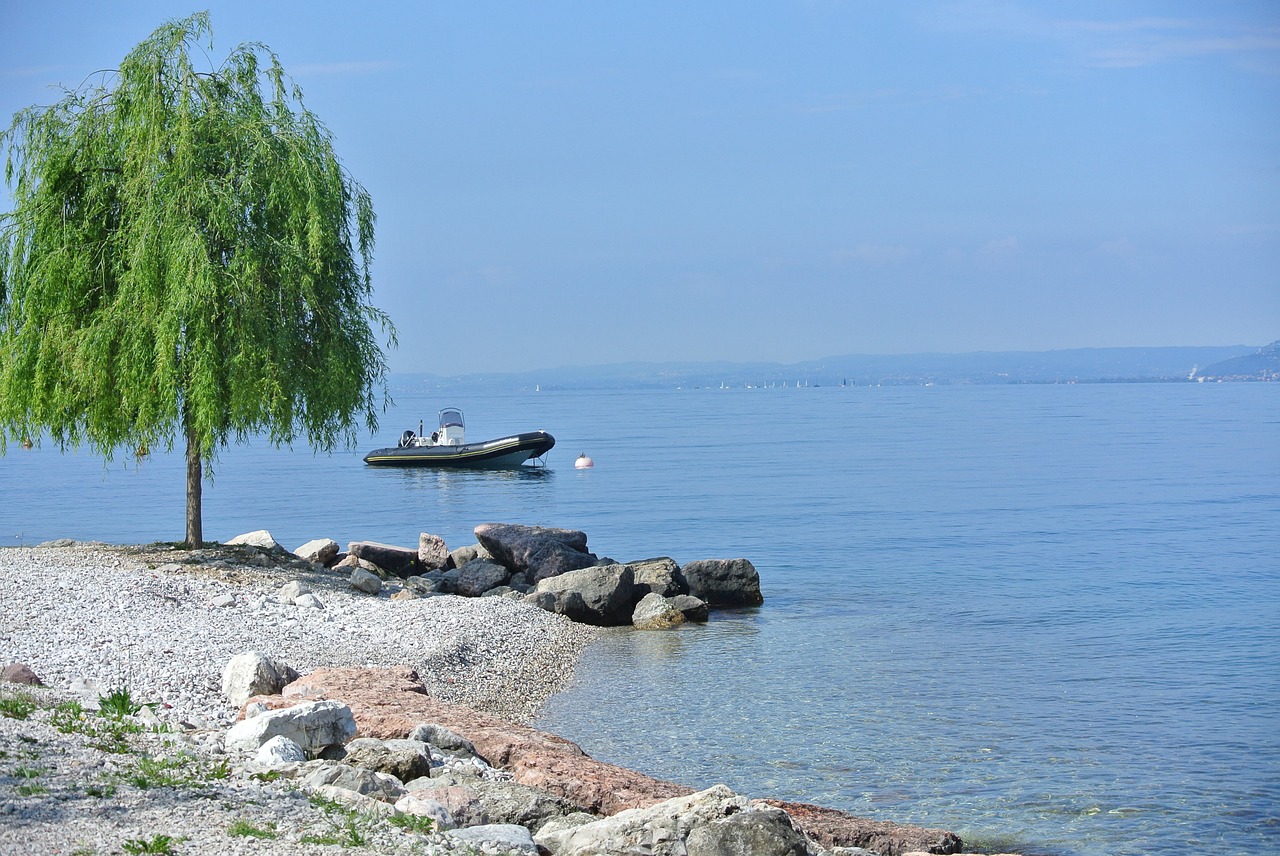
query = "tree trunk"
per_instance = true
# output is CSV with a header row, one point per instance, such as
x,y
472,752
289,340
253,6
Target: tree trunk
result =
x,y
195,474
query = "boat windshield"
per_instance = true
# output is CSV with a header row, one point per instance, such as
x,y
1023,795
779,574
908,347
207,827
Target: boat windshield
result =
x,y
450,416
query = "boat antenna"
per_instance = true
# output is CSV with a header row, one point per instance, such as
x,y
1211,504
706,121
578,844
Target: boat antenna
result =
x,y
419,427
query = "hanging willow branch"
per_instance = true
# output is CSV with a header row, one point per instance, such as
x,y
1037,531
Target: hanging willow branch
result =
x,y
186,258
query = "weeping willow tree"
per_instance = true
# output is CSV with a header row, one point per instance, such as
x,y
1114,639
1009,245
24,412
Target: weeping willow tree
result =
x,y
186,261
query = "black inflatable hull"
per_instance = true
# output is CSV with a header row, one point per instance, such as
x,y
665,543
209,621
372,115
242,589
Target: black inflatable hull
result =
x,y
505,453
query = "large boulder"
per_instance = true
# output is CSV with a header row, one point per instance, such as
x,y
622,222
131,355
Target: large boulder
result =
x,y
759,831
714,822
254,673
405,759
724,582
322,551
432,552
600,595
655,612
477,577
661,575
477,801
831,828
314,726
691,607
537,551
259,538
401,561
496,838
371,783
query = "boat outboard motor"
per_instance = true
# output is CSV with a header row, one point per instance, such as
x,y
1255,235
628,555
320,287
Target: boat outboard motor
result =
x,y
406,438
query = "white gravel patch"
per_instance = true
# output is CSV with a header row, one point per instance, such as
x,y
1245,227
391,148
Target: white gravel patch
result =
x,y
147,620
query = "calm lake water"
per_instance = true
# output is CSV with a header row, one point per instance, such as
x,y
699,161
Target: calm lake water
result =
x,y
1044,617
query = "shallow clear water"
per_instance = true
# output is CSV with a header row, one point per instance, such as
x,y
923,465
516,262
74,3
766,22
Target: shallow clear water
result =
x,y
1045,617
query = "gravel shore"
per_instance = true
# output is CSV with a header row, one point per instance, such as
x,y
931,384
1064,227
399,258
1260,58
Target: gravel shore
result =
x,y
90,618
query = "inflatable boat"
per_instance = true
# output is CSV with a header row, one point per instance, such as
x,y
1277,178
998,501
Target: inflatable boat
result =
x,y
447,447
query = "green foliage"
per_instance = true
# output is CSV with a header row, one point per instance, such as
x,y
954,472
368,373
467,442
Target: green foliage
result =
x,y
346,826
118,703
413,823
154,844
243,828
186,259
108,733
19,706
182,770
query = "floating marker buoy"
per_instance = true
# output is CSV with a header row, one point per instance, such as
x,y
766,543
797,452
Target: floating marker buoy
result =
x,y
583,463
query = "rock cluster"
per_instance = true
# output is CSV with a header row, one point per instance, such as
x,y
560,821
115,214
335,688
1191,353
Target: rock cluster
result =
x,y
533,791
552,569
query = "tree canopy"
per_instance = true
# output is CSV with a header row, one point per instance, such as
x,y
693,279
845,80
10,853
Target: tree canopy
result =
x,y
186,258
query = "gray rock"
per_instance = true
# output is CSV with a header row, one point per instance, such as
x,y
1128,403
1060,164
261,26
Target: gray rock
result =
x,y
694,609
661,575
380,786
506,837
322,551
364,581
21,673
405,759
442,738
594,595
540,552
313,725
308,601
724,582
477,577
278,751
356,801
432,552
291,591
461,555
476,801
260,538
658,829
419,807
401,561
655,612
755,832
223,600
253,673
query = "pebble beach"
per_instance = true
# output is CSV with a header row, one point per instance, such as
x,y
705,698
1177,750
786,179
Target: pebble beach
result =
x,y
163,622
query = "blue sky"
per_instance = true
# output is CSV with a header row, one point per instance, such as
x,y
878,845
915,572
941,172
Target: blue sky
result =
x,y
583,183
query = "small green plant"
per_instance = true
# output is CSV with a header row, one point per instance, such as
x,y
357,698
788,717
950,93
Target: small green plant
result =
x,y
347,827
413,823
267,776
246,829
29,787
19,706
118,703
108,733
154,844
175,771
105,791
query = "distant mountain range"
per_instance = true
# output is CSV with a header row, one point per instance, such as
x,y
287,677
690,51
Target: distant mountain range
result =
x,y
1262,364
1080,365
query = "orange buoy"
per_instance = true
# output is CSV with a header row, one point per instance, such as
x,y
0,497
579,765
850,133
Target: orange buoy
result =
x,y
583,463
